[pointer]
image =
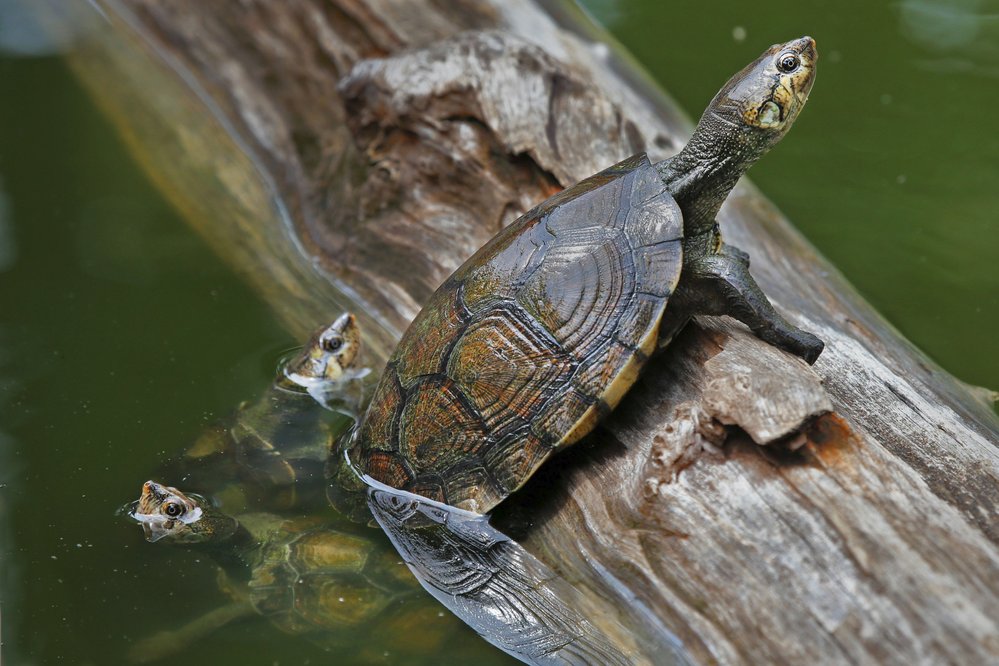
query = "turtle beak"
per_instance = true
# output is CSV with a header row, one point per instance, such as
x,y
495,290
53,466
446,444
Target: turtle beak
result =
x,y
153,490
806,47
343,322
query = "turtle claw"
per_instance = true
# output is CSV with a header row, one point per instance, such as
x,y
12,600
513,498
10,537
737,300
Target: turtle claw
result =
x,y
795,341
810,348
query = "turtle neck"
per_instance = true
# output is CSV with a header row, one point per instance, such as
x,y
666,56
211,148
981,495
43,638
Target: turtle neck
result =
x,y
702,175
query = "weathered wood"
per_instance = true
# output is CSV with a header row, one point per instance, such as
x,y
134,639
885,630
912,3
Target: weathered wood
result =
x,y
369,146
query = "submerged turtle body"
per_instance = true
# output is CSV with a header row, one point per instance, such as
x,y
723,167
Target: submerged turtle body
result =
x,y
327,579
309,575
538,335
270,454
333,582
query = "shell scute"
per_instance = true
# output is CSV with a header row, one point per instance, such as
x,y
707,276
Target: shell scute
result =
x,y
595,375
507,367
389,467
470,486
329,552
513,464
431,487
496,272
598,181
338,601
380,429
560,414
580,290
437,427
640,321
423,352
652,222
590,216
652,261
313,577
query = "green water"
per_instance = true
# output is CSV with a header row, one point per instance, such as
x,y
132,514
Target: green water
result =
x,y
121,335
892,170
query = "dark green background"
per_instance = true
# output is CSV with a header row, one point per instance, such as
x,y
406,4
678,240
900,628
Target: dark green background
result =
x,y
121,334
892,170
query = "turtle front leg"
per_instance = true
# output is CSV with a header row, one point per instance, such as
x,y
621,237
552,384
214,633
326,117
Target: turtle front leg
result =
x,y
720,284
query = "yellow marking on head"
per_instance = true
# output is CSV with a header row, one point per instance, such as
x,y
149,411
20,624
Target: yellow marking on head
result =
x,y
769,115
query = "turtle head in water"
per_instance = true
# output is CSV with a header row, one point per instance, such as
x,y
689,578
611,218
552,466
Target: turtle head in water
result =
x,y
748,116
328,355
167,513
324,367
310,575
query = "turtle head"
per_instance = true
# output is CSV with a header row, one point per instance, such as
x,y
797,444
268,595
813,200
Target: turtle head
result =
x,y
763,100
167,513
329,354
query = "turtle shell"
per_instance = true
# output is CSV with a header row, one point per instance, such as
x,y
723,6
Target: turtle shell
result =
x,y
333,584
269,455
528,344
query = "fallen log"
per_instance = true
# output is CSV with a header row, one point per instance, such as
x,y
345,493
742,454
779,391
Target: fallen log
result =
x,y
351,154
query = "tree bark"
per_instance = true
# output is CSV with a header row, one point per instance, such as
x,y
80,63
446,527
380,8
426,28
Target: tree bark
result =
x,y
352,153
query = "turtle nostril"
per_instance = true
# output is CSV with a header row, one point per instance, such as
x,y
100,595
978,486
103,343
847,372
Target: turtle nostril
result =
x,y
806,46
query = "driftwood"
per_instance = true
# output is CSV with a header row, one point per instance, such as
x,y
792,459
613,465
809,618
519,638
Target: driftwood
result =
x,y
351,153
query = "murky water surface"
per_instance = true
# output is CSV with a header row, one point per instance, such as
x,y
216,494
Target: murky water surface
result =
x,y
121,335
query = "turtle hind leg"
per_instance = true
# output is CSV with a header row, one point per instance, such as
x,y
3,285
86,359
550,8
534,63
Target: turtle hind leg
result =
x,y
720,284
166,643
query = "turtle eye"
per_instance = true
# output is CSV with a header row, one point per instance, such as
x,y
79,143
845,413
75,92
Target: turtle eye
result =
x,y
333,345
788,62
173,509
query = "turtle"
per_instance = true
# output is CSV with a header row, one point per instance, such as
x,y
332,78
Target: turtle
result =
x,y
282,553
270,453
537,337
328,580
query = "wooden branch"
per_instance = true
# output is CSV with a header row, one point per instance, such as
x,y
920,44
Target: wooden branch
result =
x,y
352,153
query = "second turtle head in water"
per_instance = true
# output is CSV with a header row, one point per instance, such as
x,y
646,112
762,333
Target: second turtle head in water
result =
x,y
324,368
329,354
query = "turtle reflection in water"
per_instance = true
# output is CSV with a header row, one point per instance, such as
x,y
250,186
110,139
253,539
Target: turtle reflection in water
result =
x,y
539,335
330,580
